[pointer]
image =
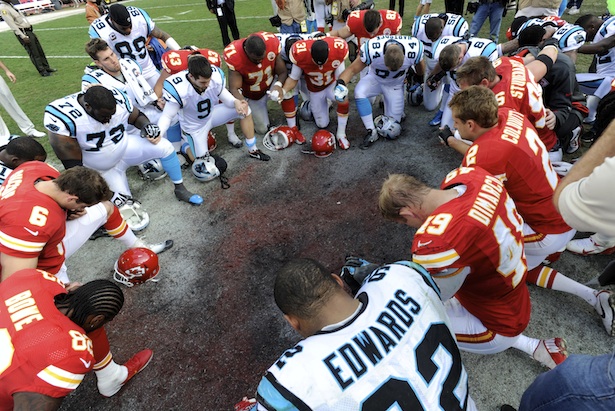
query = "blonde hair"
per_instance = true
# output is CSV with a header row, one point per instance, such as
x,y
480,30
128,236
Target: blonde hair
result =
x,y
476,103
399,191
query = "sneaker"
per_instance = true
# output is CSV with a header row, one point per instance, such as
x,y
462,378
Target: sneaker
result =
x,y
100,232
235,141
157,248
587,246
259,155
37,134
588,137
437,119
343,142
605,307
136,364
370,138
182,194
551,352
574,144
573,10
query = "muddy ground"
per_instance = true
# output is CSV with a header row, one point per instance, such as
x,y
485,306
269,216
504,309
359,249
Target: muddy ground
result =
x,y
211,319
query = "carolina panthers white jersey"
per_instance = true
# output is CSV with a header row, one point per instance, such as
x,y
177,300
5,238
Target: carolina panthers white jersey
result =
x,y
455,25
131,46
476,47
102,145
372,54
570,37
606,61
287,40
195,107
396,349
4,169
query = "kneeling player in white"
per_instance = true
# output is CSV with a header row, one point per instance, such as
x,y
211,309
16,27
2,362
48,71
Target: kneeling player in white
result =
x,y
89,129
388,59
199,97
369,352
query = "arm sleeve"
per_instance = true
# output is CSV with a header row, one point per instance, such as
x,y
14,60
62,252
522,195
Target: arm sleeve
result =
x,y
227,98
171,108
588,204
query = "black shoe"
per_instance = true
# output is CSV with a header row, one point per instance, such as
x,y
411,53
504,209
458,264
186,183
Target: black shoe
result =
x,y
45,74
259,155
51,70
370,138
100,232
507,407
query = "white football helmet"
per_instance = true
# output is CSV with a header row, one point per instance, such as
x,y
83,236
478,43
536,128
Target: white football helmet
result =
x,y
305,112
135,215
415,95
204,169
279,138
152,170
387,127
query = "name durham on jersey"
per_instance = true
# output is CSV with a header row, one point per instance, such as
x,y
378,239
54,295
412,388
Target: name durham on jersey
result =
x,y
367,348
486,201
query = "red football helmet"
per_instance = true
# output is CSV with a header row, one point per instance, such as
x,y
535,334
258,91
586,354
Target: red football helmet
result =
x,y
136,266
279,138
323,143
211,141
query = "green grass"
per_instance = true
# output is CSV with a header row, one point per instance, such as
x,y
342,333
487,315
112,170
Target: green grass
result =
x,y
188,21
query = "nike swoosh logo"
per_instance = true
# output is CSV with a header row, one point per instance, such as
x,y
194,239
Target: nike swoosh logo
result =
x,y
86,363
34,233
425,243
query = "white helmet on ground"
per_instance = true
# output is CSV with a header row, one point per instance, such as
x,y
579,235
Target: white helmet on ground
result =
x,y
305,112
387,127
415,95
279,138
204,169
135,215
152,170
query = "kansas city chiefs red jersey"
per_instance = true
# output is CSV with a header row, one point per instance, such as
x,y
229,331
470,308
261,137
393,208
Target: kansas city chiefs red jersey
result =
x,y
257,78
318,78
174,61
391,24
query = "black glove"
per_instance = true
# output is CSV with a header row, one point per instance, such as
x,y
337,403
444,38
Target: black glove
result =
x,y
444,134
434,80
550,42
472,7
150,130
354,272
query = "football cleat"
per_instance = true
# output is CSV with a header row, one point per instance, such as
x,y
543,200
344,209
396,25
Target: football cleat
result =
x,y
234,141
343,142
299,137
588,137
605,307
551,352
183,194
157,248
259,155
588,246
246,404
110,387
437,119
370,138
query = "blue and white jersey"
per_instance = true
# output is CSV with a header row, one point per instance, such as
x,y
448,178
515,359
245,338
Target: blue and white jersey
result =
x,y
131,46
102,145
372,54
475,47
4,169
194,107
606,61
396,348
570,37
455,25
99,76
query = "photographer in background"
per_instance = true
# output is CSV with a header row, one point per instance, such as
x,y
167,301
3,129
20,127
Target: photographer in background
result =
x,y
494,9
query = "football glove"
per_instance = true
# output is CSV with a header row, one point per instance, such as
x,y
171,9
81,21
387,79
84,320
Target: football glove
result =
x,y
354,272
434,80
341,91
444,134
150,130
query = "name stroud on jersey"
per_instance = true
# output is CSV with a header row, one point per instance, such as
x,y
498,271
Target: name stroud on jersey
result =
x,y
368,347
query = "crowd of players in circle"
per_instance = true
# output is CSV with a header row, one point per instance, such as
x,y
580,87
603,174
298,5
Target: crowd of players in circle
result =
x,y
512,109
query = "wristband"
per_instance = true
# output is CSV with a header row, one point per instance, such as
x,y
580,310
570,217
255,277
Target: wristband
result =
x,y
342,82
277,84
546,60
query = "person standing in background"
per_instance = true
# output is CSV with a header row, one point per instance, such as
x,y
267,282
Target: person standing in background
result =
x,y
225,13
25,34
12,108
293,15
93,10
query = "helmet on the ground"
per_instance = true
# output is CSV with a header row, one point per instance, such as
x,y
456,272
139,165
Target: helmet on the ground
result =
x,y
305,112
323,143
279,138
152,170
387,127
204,169
212,143
135,215
136,266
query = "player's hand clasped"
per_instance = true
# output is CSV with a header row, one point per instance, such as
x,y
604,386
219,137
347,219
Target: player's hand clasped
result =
x,y
151,132
242,107
341,91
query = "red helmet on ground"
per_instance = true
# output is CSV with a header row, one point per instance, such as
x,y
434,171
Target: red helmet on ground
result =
x,y
211,141
136,266
278,138
323,143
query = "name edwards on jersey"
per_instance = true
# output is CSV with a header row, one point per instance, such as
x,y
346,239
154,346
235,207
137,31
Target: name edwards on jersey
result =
x,y
369,347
